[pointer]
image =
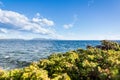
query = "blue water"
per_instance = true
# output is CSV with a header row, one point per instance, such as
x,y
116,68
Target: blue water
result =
x,y
19,53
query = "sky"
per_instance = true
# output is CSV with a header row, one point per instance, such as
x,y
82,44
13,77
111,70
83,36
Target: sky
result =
x,y
60,19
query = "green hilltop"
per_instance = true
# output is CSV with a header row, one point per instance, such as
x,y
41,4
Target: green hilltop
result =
x,y
101,62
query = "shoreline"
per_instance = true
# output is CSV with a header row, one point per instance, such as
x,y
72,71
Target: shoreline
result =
x,y
96,62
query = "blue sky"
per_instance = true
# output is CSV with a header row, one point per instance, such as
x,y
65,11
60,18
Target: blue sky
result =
x,y
60,19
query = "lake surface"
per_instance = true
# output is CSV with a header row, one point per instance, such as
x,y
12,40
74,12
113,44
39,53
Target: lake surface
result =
x,y
19,53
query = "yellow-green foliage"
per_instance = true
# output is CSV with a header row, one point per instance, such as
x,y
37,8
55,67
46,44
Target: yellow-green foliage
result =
x,y
94,63
62,76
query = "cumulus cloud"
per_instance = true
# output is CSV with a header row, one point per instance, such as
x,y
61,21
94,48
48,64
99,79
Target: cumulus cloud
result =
x,y
21,22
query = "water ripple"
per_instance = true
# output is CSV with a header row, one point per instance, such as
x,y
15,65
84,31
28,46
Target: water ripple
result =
x,y
19,53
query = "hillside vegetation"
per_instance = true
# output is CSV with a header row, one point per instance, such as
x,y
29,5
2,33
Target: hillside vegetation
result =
x,y
94,63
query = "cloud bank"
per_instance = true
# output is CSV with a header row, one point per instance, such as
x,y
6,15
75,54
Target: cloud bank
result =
x,y
22,23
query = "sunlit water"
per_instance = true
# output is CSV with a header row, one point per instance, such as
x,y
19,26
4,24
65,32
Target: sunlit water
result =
x,y
19,53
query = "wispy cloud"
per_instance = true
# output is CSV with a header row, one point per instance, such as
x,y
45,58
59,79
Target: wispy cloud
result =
x,y
70,25
12,33
22,23
3,30
37,15
67,26
43,22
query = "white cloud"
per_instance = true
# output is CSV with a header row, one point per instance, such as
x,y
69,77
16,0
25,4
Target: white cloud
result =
x,y
15,34
37,14
67,26
43,22
48,22
70,25
21,22
3,30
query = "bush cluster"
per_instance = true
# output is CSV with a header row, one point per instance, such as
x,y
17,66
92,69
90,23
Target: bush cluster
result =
x,y
94,63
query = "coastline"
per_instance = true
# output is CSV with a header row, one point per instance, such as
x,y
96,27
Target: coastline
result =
x,y
82,64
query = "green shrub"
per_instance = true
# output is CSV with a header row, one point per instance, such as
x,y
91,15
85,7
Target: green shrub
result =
x,y
95,63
